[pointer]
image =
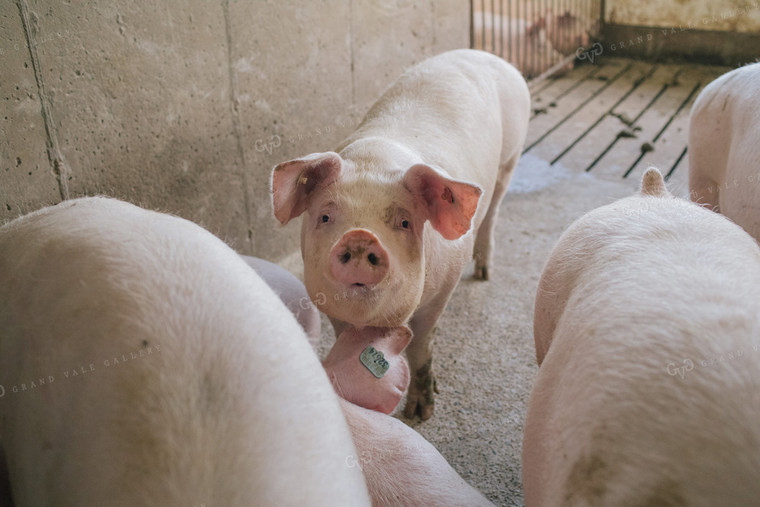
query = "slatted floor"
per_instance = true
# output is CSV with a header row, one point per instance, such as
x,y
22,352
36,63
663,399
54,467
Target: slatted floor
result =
x,y
617,117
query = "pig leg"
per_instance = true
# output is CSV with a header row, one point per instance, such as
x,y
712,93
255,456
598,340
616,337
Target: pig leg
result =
x,y
420,397
484,239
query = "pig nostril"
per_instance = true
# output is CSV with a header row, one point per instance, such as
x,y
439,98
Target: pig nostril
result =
x,y
372,258
345,257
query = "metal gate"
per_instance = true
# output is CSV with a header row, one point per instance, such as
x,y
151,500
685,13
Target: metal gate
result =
x,y
539,37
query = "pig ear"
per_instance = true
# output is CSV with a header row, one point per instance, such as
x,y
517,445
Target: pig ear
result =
x,y
294,181
450,203
653,184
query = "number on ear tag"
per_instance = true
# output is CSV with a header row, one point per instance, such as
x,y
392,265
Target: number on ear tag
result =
x,y
375,361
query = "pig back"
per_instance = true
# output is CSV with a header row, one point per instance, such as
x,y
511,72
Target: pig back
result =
x,y
724,146
739,189
648,389
464,111
173,371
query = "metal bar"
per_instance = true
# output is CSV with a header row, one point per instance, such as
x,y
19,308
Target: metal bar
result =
x,y
561,28
545,62
530,48
483,24
493,27
501,28
517,39
509,29
534,34
472,24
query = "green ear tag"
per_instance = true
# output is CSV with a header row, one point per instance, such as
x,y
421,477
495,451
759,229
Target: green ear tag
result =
x,y
375,361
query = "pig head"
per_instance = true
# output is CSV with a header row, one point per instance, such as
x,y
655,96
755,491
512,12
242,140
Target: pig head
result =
x,y
366,367
363,232
568,32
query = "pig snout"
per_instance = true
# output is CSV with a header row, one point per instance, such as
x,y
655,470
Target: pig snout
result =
x,y
358,259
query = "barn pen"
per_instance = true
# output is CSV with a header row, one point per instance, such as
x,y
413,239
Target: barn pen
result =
x,y
186,106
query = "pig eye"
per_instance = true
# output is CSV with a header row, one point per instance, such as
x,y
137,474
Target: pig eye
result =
x,y
325,214
402,222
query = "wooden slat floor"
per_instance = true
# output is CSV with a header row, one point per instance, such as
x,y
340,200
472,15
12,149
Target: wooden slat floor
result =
x,y
617,117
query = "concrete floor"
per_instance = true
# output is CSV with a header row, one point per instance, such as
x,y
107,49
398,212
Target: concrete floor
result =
x,y
484,355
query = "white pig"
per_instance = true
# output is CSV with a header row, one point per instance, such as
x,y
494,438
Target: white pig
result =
x,y
142,362
724,147
439,146
568,31
533,47
647,328
525,45
403,469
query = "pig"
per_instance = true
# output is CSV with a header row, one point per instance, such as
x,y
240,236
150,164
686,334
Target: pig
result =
x,y
647,328
142,362
524,44
401,468
567,32
724,147
393,215
292,292
366,366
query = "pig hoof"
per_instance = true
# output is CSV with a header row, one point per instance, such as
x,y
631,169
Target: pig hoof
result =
x,y
425,411
410,410
481,272
421,407
420,399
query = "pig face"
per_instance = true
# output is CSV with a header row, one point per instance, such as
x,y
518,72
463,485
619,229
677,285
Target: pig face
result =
x,y
362,232
568,32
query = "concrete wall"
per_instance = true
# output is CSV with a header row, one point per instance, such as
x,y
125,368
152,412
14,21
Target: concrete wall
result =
x,y
185,105
721,32
723,15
